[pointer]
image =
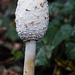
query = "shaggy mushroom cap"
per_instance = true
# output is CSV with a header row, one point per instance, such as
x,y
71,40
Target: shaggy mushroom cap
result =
x,y
32,18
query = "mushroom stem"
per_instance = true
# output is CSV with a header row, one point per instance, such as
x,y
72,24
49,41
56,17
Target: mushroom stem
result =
x,y
29,62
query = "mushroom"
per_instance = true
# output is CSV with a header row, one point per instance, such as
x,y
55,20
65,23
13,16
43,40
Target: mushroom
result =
x,y
32,18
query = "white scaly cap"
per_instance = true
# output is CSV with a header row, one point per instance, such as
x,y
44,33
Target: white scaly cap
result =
x,y
32,18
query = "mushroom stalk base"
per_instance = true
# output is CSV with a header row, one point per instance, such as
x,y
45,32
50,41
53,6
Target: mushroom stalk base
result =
x,y
29,62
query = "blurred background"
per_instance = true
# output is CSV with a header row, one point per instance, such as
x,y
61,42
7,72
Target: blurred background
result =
x,y
55,52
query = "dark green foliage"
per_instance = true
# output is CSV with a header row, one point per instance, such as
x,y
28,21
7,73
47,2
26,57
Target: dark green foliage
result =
x,y
61,28
17,55
70,50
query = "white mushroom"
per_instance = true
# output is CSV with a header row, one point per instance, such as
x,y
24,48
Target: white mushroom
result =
x,y
32,18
